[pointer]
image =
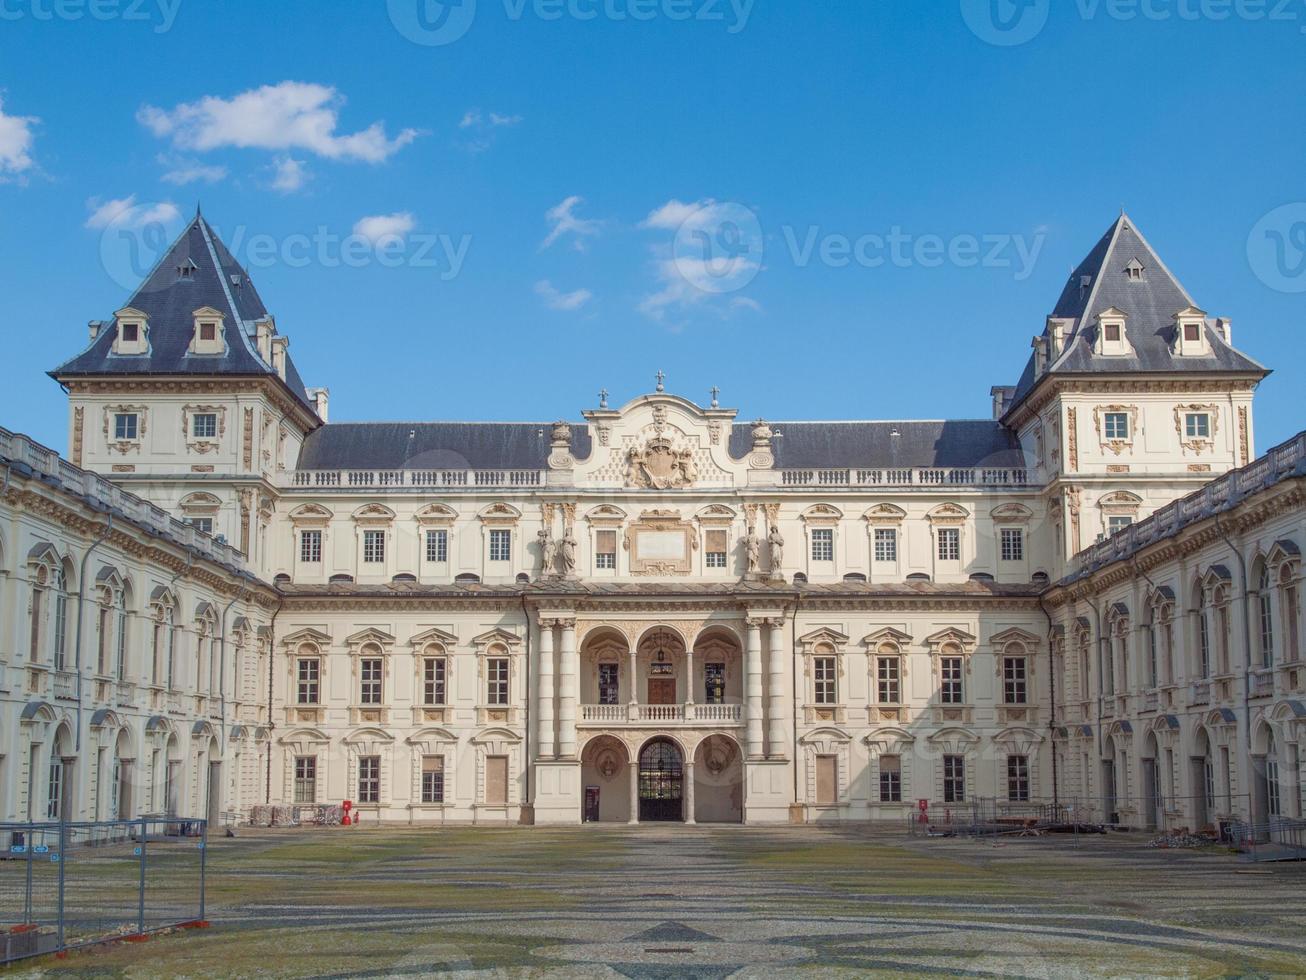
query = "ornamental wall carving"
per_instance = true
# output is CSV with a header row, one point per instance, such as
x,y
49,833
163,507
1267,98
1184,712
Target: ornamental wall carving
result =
x,y
660,543
1197,445
1116,446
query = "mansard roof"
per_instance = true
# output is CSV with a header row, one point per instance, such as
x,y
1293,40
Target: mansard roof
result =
x,y
525,445
1101,284
169,302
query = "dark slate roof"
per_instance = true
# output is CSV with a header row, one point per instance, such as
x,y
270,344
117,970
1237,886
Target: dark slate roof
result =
x,y
886,445
1150,306
435,445
170,302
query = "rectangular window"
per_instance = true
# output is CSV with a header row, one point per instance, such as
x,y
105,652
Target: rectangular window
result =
x,y
204,426
823,672
890,680
1273,798
714,677
500,544
886,544
1018,778
950,674
54,791
369,779
1197,425
432,779
310,547
202,524
609,688
208,331
126,427
715,550
130,333
605,550
308,675
102,646
1112,331
60,626
433,675
370,674
121,656
496,780
823,544
1116,425
437,547
496,676
1014,686
1118,522
890,779
306,779
949,544
1013,544
1192,332
374,547
954,779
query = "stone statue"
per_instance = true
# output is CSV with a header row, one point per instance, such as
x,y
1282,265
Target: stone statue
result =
x,y
688,468
753,549
777,544
549,552
568,552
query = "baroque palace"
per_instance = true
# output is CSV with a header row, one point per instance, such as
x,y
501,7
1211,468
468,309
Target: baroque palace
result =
x,y
659,610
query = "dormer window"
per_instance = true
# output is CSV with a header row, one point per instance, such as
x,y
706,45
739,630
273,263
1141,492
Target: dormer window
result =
x,y
1112,340
186,271
1111,333
132,332
1134,271
208,332
1190,334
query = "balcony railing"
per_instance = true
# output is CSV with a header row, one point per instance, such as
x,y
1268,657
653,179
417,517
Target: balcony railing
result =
x,y
1201,692
908,477
1263,684
412,479
661,714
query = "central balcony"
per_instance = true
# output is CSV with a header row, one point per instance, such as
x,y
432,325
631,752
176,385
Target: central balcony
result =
x,y
643,715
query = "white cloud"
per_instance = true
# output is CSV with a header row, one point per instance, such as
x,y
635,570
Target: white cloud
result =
x,y
498,120
16,140
183,171
380,228
124,212
554,299
286,116
564,221
674,213
480,128
681,280
289,175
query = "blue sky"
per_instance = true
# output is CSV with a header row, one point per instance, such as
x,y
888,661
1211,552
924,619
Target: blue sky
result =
x,y
546,173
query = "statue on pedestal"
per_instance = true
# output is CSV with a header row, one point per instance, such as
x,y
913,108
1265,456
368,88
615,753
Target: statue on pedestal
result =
x,y
549,553
777,547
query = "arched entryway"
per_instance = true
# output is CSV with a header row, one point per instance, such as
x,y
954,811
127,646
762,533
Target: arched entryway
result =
x,y
718,781
605,790
661,782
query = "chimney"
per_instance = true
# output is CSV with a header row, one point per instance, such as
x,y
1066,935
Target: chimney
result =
x,y
263,332
1040,356
1224,326
95,327
1001,399
1057,337
279,346
320,397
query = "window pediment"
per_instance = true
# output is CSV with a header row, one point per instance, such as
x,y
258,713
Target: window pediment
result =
x,y
825,635
310,514
1011,513
436,515
496,635
886,635
823,514
315,637
370,635
435,635
948,514
1015,634
954,635
885,514
374,514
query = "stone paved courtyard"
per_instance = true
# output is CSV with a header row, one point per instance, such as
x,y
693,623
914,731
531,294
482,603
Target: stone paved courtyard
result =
x,y
698,902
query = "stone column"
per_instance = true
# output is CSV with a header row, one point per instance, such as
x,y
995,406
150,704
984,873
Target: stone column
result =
x,y
632,711
776,746
544,698
689,684
634,792
689,793
753,705
568,683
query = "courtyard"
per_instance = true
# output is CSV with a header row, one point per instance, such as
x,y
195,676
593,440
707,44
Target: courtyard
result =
x,y
704,902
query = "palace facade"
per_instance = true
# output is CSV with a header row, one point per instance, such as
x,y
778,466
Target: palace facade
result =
x,y
658,610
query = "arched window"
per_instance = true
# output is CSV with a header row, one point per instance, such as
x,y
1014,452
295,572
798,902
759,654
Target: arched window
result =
x,y
1222,635
60,584
1203,633
1289,597
1265,615
1153,658
120,655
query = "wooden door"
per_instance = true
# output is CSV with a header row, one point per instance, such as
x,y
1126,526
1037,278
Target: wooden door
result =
x,y
662,690
496,780
827,780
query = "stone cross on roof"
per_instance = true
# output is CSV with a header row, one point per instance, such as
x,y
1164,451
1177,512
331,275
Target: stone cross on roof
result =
x,y
661,378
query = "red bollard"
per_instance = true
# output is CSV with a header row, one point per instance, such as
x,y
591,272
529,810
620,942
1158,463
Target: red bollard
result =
x,y
347,805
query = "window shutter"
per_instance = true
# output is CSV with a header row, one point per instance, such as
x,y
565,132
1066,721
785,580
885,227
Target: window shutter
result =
x,y
716,541
606,542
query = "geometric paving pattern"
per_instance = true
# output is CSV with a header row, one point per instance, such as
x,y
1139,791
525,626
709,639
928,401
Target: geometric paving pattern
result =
x,y
650,903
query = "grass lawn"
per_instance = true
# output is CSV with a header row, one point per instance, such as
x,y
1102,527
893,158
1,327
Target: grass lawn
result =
x,y
714,902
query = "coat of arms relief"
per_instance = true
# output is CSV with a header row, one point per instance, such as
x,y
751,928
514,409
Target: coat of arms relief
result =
x,y
658,465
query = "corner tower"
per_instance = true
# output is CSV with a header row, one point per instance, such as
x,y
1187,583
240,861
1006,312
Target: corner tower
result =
x,y
188,396
1133,396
